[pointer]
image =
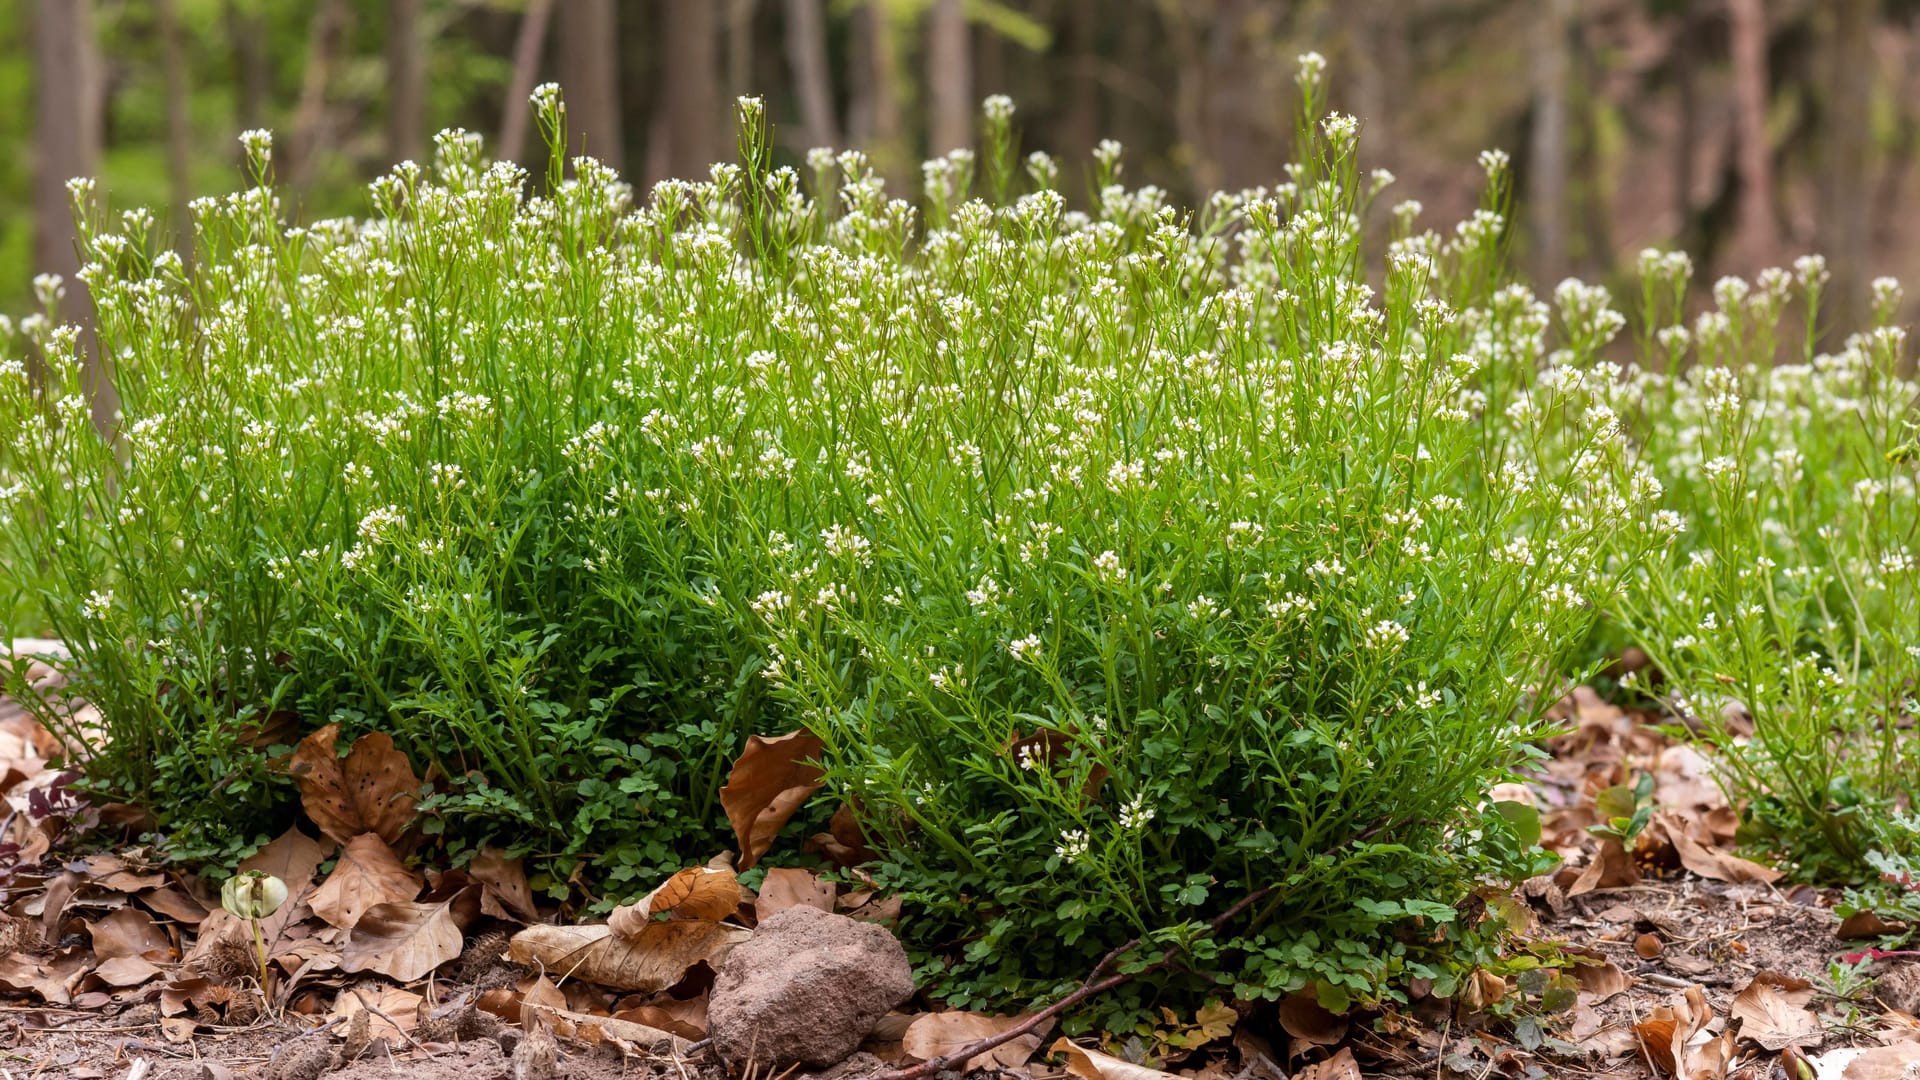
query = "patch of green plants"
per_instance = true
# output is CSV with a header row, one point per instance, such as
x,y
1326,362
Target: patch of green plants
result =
x,y
1784,625
1186,579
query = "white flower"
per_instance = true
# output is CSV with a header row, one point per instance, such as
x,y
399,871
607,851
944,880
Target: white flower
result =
x,y
97,604
1107,566
1386,635
1136,813
1026,648
1072,846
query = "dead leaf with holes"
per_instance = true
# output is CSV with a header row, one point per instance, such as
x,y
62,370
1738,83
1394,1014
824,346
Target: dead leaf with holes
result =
x,y
406,941
771,781
371,791
1773,1012
1094,1065
938,1034
368,873
505,894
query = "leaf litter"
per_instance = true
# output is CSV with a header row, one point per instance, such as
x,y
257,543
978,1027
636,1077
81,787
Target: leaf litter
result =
x,y
1678,957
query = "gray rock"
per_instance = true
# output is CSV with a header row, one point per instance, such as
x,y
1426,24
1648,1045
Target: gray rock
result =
x,y
805,990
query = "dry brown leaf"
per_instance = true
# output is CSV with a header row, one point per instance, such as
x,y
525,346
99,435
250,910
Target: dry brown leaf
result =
x,y
1612,868
1894,1062
1648,946
785,888
938,1034
124,971
672,1021
371,791
54,977
767,785
844,844
129,932
506,895
1303,1017
175,904
1340,1066
698,892
1094,1065
1677,1038
1599,976
652,960
1709,862
405,941
594,1029
293,857
402,1005
368,873
1773,1012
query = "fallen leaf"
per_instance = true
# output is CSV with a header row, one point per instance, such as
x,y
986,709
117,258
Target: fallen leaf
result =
x,y
54,977
1612,868
405,941
371,791
655,1016
368,873
1094,1065
1599,976
124,971
649,961
1340,1066
1773,1012
1303,1017
938,1034
844,844
1648,946
784,888
129,932
504,880
1677,1038
175,904
767,785
1895,1062
1712,862
402,1005
698,893
594,1029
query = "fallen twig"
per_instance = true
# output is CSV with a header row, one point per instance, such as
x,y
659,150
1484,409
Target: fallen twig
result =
x,y
1095,984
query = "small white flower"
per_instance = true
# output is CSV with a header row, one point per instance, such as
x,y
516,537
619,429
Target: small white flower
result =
x,y
1026,648
1072,846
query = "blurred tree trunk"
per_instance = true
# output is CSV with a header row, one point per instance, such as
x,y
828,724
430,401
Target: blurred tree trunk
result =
x,y
1687,136
1228,140
590,78
989,63
687,120
406,82
68,100
1080,124
740,47
179,129
326,33
1377,34
949,78
806,41
1847,199
1549,157
528,45
1758,235
874,112
247,30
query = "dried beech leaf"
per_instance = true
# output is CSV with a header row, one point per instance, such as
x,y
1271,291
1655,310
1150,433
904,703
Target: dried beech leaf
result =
x,y
129,932
938,1034
1340,1066
651,960
768,784
402,1005
125,971
1612,868
1773,1012
371,791
1094,1065
405,941
785,888
698,892
506,894
367,874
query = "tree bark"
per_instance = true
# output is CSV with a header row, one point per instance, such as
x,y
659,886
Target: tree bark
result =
x,y
874,114
1758,232
67,110
1846,236
528,45
806,41
590,78
246,30
179,129
1548,164
1080,125
325,36
406,82
687,119
740,47
949,77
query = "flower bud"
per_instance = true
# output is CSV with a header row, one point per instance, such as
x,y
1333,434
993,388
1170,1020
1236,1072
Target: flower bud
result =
x,y
253,895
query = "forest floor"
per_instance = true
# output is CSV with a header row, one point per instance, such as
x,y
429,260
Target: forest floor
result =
x,y
1688,961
